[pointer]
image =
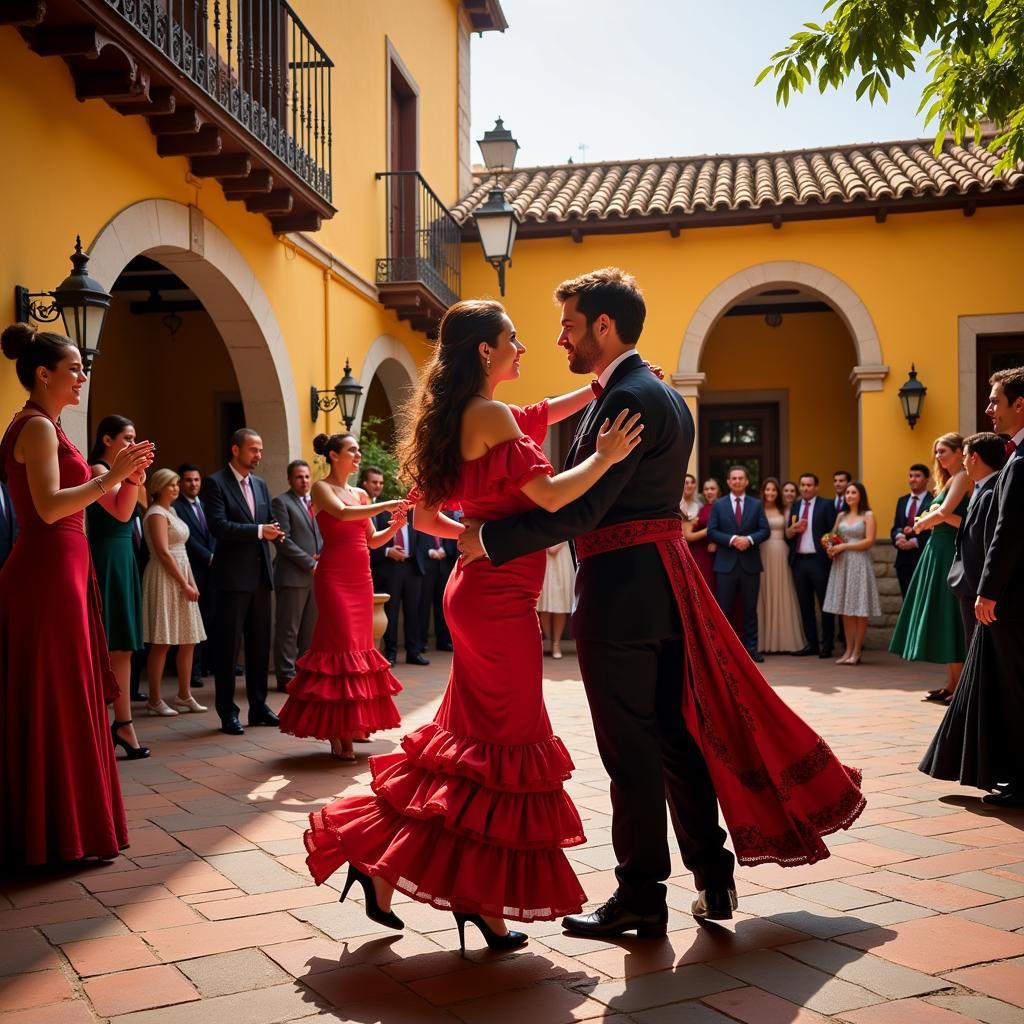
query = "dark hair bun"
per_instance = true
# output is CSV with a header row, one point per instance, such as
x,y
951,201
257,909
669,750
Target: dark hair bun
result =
x,y
320,443
16,339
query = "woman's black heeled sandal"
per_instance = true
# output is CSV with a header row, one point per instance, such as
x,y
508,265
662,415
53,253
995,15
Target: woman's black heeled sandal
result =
x,y
510,940
373,910
134,753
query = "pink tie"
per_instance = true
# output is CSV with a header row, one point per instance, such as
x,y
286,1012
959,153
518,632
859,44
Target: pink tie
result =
x,y
247,491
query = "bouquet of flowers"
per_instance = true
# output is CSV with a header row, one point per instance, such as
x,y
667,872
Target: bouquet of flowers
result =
x,y
830,540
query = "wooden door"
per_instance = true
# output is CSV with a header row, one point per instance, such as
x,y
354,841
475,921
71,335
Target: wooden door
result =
x,y
739,434
403,214
995,352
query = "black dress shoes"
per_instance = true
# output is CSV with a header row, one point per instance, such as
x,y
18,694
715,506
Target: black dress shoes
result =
x,y
805,652
263,716
232,726
445,647
613,918
1007,799
714,904
756,656
826,652
416,659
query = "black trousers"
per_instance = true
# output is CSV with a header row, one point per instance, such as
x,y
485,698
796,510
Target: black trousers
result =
x,y
635,695
241,616
405,585
810,578
745,585
432,600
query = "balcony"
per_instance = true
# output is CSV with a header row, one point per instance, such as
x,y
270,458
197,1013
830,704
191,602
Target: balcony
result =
x,y
420,276
239,87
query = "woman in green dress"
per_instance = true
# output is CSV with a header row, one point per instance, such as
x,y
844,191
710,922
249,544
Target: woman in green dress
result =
x,y
109,525
929,627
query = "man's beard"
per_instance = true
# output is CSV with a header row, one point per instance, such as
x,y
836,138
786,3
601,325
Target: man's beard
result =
x,y
585,354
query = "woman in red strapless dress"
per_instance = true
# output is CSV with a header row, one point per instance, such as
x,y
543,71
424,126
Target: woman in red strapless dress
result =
x,y
343,685
471,816
60,799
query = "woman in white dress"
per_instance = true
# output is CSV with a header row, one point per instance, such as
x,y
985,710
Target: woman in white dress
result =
x,y
778,612
170,612
852,590
555,601
691,504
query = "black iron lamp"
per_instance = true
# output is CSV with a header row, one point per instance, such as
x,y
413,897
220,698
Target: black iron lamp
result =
x,y
79,300
497,221
344,395
911,396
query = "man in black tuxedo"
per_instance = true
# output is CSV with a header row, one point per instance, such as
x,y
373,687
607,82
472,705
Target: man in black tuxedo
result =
x,y
8,524
398,569
237,505
909,545
626,623
437,556
737,526
199,547
840,481
810,519
984,457
1000,602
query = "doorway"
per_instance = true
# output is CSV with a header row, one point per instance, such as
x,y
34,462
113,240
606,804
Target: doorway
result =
x,y
739,434
995,352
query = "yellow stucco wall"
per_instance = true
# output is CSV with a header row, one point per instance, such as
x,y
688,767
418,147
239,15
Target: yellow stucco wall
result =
x,y
915,274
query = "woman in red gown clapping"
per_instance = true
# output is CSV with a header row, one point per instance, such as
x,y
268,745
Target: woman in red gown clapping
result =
x,y
471,816
60,798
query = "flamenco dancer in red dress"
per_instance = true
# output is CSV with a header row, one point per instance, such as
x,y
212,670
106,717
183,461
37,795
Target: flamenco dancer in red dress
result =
x,y
343,687
471,815
60,799
679,709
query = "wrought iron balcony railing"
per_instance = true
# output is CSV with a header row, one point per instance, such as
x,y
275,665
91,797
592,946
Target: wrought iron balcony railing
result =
x,y
422,269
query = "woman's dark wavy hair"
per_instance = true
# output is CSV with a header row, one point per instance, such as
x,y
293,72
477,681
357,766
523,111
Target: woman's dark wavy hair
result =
x,y
109,426
429,450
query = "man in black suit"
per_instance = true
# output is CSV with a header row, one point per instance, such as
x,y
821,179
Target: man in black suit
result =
x,y
737,525
8,524
398,569
626,624
909,545
984,457
814,517
199,547
840,481
437,557
1000,602
237,505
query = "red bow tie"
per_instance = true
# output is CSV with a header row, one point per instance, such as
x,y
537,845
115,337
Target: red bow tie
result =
x,y
597,388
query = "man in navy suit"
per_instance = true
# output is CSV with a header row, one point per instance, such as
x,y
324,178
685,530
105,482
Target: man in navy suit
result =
x,y
909,545
237,505
398,569
840,481
8,524
199,547
737,525
810,519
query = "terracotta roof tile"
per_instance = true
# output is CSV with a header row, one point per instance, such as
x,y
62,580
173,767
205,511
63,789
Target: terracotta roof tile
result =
x,y
766,183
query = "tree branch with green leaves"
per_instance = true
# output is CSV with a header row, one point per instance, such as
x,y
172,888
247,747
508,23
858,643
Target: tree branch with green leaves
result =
x,y
975,58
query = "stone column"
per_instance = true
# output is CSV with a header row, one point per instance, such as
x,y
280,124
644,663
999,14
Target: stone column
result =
x,y
688,385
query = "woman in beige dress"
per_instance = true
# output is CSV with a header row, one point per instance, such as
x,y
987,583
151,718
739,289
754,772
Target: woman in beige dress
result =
x,y
170,612
778,614
555,602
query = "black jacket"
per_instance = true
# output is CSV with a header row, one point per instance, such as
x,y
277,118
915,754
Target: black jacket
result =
x,y
1002,575
722,527
201,543
822,521
910,555
969,559
241,560
381,565
623,594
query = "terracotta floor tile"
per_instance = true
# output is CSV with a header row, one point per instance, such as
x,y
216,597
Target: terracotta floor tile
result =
x,y
90,928
1002,981
24,951
129,991
266,903
190,940
219,839
951,863
23,991
905,1011
1008,915
71,1011
224,974
926,892
979,1008
870,855
108,954
754,1006
547,1002
937,944
51,913
142,917
771,876
27,893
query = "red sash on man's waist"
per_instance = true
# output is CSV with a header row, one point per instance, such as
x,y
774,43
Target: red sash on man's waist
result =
x,y
779,785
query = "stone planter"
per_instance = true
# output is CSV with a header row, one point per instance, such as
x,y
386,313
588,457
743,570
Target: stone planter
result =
x,y
380,619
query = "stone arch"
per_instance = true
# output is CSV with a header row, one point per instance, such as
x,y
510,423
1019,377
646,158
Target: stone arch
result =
x,y
390,362
184,240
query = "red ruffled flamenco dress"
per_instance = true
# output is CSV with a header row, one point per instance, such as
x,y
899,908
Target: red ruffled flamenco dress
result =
x,y
343,686
471,815
60,798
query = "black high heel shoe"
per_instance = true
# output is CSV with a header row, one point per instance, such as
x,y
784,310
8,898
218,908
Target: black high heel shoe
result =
x,y
510,940
373,910
134,753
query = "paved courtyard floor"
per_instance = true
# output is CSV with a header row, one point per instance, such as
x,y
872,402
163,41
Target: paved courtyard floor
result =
x,y
917,918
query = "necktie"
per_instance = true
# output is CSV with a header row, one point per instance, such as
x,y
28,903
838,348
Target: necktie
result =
x,y
400,540
805,512
437,543
597,388
309,507
739,513
137,533
200,516
912,511
249,500
1011,447
839,504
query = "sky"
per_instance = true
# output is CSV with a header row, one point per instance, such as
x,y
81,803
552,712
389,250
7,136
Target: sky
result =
x,y
648,78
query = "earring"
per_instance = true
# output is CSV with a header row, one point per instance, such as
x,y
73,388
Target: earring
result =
x,y
488,364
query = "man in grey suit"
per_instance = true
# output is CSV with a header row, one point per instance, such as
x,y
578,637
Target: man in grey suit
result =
x,y
294,565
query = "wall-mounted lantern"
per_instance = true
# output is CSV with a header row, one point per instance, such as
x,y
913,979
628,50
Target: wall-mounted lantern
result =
x,y
344,395
497,221
911,397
